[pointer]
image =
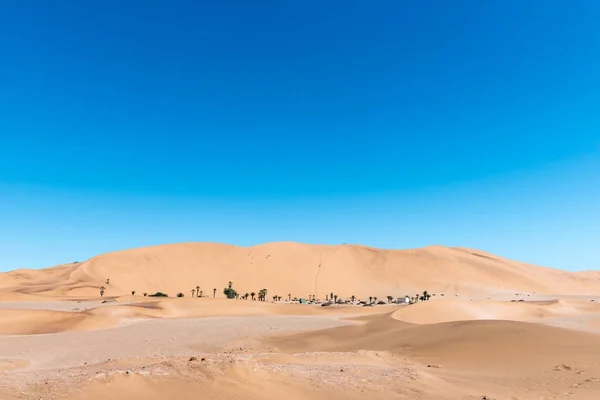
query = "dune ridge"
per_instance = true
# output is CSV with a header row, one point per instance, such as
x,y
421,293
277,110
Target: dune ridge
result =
x,y
297,269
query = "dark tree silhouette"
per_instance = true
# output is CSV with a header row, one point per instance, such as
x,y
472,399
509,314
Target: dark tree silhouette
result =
x,y
230,292
262,295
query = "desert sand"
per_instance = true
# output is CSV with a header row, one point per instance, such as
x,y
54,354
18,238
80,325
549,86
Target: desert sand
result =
x,y
494,328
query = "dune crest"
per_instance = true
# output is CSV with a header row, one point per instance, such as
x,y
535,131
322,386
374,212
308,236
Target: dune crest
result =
x,y
297,269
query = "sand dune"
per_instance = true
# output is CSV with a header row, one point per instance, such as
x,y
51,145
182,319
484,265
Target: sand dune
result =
x,y
466,342
60,340
297,269
230,383
90,316
35,322
449,310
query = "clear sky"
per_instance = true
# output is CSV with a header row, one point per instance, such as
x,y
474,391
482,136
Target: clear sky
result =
x,y
394,124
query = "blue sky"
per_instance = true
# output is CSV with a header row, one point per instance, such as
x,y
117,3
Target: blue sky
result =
x,y
392,124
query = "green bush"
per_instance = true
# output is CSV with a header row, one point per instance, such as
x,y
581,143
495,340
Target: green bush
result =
x,y
179,294
230,293
158,294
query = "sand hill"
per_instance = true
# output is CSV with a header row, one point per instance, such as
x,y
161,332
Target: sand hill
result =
x,y
297,269
501,329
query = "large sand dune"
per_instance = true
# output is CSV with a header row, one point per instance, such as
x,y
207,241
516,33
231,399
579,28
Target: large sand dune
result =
x,y
297,269
495,327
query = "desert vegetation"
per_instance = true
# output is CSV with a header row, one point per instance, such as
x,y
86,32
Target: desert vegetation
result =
x,y
230,292
161,294
331,298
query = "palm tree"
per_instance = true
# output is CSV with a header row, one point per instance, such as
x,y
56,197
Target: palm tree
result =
x,y
197,291
214,293
201,293
252,295
389,298
370,299
426,295
274,298
102,291
375,299
278,298
133,292
353,298
331,296
262,294
193,291
335,298
326,297
230,284
108,281
289,297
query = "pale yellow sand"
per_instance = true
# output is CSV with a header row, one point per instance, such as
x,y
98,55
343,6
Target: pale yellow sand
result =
x,y
59,341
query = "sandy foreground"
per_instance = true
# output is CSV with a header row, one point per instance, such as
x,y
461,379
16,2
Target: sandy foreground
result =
x,y
494,329
441,349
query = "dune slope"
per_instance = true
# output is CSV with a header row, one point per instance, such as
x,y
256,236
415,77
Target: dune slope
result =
x,y
297,269
494,344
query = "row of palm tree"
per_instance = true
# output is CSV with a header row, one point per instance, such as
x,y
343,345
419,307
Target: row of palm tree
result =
x,y
197,292
262,294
